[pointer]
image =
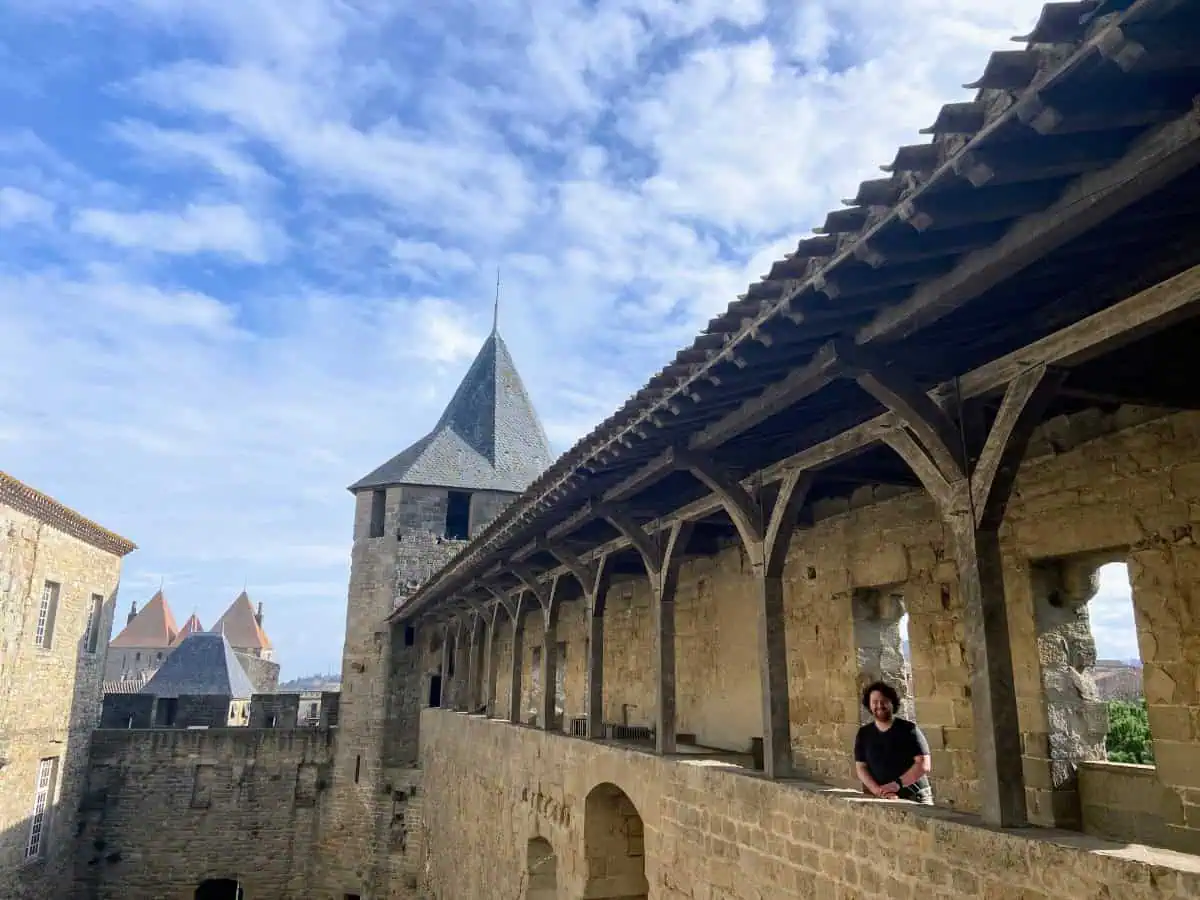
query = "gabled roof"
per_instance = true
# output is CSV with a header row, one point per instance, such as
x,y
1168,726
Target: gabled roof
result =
x,y
202,664
191,626
240,627
153,627
488,439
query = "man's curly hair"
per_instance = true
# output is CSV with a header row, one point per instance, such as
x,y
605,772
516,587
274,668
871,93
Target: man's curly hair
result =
x,y
884,688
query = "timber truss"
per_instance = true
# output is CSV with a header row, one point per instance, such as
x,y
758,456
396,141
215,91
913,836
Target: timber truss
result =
x,y
1040,256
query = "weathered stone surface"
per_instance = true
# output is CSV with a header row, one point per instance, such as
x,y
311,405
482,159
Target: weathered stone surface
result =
x,y
709,831
49,695
166,809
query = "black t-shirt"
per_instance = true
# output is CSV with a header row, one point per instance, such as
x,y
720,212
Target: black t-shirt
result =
x,y
889,754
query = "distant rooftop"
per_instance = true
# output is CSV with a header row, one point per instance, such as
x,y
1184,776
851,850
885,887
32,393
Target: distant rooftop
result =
x,y
203,664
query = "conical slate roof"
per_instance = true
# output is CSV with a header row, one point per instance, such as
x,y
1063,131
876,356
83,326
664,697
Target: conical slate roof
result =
x,y
240,627
153,627
203,664
488,439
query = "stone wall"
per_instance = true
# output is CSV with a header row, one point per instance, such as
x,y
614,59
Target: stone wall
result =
x,y
49,696
708,830
1124,486
364,848
263,673
166,809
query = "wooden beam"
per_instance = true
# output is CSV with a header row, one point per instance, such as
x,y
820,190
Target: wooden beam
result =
x,y
741,504
1154,160
665,587
1153,309
637,536
1021,411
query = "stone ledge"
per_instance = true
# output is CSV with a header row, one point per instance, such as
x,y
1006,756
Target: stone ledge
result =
x,y
807,830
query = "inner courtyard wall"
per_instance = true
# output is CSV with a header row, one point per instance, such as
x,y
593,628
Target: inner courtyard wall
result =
x,y
708,831
1126,483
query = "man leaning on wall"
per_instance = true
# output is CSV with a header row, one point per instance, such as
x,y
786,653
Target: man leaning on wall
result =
x,y
891,755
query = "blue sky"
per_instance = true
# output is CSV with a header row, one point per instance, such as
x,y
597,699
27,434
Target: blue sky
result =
x,y
247,249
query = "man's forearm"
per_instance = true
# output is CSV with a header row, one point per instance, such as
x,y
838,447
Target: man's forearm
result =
x,y
919,770
865,777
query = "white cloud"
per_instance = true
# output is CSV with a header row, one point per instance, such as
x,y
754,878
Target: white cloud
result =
x,y
630,165
18,207
223,228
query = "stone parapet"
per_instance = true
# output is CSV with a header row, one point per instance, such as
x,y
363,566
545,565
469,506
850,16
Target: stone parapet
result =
x,y
710,829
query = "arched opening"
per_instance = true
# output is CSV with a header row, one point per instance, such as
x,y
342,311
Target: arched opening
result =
x,y
541,872
219,889
614,842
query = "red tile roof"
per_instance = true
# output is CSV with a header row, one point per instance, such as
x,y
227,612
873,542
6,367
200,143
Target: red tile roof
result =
x,y
240,627
153,627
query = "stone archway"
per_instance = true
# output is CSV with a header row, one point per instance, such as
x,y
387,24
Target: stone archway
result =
x,y
541,872
613,837
219,889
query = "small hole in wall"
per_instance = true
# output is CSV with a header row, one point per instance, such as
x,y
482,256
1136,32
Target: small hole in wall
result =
x,y
812,573
357,768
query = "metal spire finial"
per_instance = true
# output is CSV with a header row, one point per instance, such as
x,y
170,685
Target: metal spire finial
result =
x,y
496,305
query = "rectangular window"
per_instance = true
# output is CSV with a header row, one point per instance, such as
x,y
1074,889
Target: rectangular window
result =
x,y
39,818
378,513
44,633
95,615
458,515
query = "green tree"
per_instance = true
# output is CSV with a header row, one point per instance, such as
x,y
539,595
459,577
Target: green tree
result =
x,y
1128,738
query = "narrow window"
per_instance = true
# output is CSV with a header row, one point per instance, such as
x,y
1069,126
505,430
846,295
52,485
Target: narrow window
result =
x,y
44,634
410,635
378,511
458,516
95,615
170,709
39,819
357,768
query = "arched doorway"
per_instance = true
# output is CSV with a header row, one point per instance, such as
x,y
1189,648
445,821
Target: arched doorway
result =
x,y
541,872
219,889
614,842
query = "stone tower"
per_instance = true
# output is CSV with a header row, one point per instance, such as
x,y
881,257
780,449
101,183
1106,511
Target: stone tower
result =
x,y
412,514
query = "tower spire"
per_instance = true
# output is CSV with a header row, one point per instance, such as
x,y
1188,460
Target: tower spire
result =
x,y
496,305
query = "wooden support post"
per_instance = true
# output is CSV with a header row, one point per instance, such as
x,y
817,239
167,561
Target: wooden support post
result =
x,y
469,701
489,661
444,694
597,600
661,560
666,583
549,710
765,538
972,499
518,656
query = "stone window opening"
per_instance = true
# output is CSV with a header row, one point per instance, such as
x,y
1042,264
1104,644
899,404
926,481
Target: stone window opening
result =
x,y
357,768
95,616
882,646
541,870
1091,670
378,513
39,816
47,610
458,515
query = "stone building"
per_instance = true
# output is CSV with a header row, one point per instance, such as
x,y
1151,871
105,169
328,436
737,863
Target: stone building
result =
x,y
59,574
968,391
150,636
412,515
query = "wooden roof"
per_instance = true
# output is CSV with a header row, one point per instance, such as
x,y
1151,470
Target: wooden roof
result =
x,y
1067,183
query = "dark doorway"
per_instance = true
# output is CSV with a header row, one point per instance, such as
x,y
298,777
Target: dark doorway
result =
x,y
435,691
219,889
458,516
